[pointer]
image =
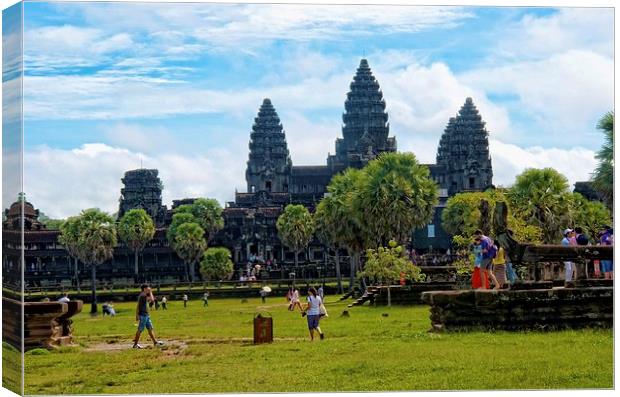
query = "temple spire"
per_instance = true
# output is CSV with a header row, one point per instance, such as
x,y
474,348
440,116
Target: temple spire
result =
x,y
269,164
464,151
365,130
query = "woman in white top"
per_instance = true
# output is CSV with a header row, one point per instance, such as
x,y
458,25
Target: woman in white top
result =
x,y
314,313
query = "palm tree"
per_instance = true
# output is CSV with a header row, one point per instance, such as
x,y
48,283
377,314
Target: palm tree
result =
x,y
69,236
190,244
136,229
342,220
396,197
295,228
326,233
208,214
542,198
603,176
96,242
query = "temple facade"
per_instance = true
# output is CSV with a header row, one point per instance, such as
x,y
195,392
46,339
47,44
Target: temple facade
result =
x,y
273,181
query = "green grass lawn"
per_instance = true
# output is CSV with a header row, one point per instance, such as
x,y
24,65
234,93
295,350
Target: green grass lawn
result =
x,y
210,350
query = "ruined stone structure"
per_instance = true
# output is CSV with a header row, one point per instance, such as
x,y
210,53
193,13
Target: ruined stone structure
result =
x,y
273,181
142,190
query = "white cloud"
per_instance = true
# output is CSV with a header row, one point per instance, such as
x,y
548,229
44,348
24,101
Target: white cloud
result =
x,y
535,37
510,160
562,95
63,182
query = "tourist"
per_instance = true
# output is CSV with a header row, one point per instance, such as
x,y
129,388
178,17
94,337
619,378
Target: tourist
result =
x,y
263,293
205,299
156,304
313,312
581,239
569,238
320,292
607,266
108,309
476,277
64,298
143,318
164,302
185,299
295,300
499,265
289,298
488,253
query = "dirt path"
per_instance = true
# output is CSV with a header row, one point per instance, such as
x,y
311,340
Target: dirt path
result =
x,y
173,346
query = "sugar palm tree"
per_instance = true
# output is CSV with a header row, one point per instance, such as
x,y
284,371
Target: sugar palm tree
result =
x,y
542,198
295,228
342,219
96,242
136,229
69,236
396,196
190,244
603,176
326,232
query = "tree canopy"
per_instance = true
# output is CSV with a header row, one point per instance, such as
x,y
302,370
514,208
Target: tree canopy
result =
x,y
396,196
295,227
216,263
603,176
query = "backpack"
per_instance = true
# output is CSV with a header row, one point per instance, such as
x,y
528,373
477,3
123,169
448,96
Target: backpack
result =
x,y
582,240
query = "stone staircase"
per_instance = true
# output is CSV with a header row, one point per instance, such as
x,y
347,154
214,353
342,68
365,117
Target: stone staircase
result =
x,y
370,296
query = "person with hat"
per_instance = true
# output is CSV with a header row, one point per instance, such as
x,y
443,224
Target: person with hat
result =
x,y
569,239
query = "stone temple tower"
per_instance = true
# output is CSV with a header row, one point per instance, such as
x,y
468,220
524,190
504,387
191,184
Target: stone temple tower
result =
x,y
269,165
366,128
464,152
142,190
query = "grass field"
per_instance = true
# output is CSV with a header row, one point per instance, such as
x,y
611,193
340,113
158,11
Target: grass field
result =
x,y
210,350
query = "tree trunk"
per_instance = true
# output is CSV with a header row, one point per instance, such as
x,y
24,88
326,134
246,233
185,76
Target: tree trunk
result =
x,y
77,277
389,296
353,266
135,269
338,274
192,271
359,269
93,289
296,259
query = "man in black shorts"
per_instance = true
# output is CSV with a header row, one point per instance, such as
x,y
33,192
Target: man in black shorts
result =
x,y
143,318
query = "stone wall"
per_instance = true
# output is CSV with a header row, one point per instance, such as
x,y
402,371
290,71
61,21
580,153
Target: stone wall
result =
x,y
410,294
538,309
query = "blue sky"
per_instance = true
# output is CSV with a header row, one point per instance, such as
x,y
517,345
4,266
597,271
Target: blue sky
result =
x,y
177,86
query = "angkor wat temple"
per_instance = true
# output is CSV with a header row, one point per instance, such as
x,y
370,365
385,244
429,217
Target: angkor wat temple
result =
x,y
463,164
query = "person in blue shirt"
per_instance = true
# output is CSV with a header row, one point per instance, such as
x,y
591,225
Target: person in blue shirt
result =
x,y
607,266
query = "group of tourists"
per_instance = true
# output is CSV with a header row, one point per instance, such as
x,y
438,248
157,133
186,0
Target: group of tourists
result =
x,y
491,262
314,309
576,236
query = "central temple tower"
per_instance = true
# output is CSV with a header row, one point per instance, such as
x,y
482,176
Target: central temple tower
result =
x,y
366,128
269,165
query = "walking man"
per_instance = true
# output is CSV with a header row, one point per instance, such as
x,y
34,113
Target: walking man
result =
x,y
205,299
143,318
185,300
